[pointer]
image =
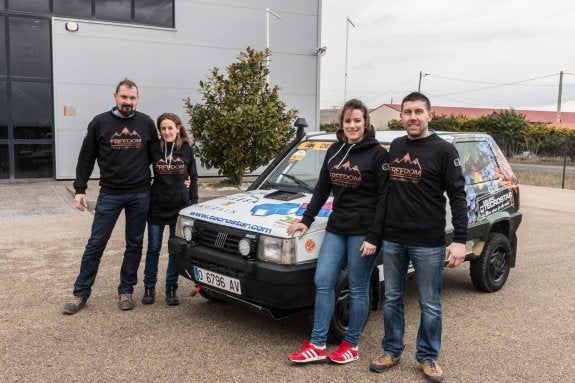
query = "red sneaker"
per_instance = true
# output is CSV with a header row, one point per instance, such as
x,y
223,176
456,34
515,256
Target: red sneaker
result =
x,y
344,354
308,353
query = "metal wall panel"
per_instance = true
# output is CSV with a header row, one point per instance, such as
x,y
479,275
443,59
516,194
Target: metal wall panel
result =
x,y
167,64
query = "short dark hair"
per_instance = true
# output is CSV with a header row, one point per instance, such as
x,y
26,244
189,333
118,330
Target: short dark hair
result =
x,y
354,104
417,96
127,83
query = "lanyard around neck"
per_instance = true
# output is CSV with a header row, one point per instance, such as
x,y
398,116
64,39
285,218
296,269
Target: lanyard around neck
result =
x,y
167,158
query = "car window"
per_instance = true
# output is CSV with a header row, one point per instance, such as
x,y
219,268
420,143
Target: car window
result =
x,y
477,162
303,163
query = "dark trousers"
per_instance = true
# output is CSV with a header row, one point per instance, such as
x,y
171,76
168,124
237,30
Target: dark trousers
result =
x,y
108,209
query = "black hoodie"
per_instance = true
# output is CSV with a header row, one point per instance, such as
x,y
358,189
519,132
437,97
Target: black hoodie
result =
x,y
169,194
121,146
357,175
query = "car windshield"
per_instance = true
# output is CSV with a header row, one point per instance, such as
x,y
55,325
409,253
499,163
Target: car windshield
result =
x,y
300,168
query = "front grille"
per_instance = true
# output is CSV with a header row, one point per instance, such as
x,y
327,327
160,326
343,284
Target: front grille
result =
x,y
220,237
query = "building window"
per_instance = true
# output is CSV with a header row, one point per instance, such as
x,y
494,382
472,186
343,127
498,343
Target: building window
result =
x,y
3,65
3,111
114,10
4,162
73,8
33,161
30,48
31,109
158,13
36,6
154,12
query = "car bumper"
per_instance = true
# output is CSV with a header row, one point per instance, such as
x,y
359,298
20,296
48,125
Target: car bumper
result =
x,y
265,284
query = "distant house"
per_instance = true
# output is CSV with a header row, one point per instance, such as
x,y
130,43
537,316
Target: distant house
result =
x,y
328,115
381,115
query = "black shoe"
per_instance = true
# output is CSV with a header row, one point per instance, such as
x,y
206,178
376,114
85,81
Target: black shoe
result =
x,y
149,296
171,298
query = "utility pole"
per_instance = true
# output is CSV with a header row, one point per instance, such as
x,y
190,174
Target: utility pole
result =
x,y
421,74
558,118
347,22
268,12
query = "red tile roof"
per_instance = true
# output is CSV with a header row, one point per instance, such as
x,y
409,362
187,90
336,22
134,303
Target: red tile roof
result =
x,y
530,115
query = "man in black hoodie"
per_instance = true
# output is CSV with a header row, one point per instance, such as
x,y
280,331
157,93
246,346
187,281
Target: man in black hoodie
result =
x,y
119,140
423,167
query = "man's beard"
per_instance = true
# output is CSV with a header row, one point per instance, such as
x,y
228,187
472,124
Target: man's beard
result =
x,y
126,110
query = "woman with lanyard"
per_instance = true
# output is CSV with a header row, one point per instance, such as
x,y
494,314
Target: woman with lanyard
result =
x,y
173,164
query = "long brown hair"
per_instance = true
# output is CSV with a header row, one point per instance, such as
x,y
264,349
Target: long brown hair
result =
x,y
182,134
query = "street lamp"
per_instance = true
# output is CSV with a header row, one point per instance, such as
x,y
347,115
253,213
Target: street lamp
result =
x,y
268,12
347,22
421,74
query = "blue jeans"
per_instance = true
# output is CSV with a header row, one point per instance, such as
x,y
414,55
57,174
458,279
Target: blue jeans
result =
x,y
108,209
336,252
428,263
155,234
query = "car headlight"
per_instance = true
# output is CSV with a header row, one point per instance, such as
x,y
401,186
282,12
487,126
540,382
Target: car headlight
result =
x,y
245,247
185,228
277,250
188,233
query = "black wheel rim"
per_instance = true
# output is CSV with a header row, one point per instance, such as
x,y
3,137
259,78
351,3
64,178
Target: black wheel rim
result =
x,y
498,265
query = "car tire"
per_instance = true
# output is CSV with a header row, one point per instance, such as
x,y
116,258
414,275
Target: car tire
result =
x,y
340,320
489,272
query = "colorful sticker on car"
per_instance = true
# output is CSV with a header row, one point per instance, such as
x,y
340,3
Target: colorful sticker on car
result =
x,y
492,203
325,210
485,171
315,145
231,222
310,245
297,156
266,209
245,197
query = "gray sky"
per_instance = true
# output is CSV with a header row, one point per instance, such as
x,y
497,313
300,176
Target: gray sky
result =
x,y
469,48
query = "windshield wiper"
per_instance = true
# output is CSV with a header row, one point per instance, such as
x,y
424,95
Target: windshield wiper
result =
x,y
299,182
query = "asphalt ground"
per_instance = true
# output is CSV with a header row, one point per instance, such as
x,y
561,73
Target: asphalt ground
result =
x,y
523,333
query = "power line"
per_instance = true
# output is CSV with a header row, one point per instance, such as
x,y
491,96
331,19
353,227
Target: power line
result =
x,y
497,83
495,86
391,89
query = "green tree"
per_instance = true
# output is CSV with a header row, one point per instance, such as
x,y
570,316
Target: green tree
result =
x,y
395,125
443,123
507,128
242,124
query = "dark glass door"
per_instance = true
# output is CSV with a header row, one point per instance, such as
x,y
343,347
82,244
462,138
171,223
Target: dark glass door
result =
x,y
26,105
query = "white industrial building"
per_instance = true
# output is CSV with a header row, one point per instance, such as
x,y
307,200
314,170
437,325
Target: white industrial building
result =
x,y
60,61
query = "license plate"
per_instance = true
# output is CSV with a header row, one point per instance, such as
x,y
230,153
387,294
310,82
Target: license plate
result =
x,y
220,281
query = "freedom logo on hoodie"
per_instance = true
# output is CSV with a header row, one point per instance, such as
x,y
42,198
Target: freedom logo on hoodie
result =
x,y
345,175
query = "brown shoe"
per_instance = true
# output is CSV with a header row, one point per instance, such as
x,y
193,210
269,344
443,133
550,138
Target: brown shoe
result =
x,y
384,362
73,305
432,371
